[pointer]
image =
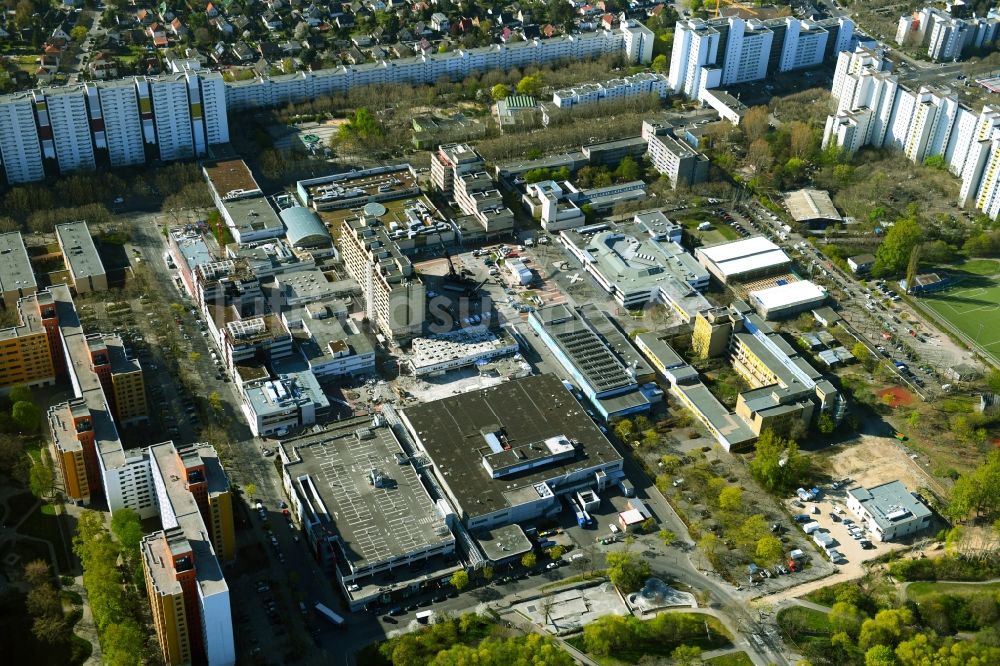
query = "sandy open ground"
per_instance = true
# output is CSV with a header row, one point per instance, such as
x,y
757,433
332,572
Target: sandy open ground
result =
x,y
872,461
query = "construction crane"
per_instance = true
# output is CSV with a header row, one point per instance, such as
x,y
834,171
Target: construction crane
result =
x,y
733,3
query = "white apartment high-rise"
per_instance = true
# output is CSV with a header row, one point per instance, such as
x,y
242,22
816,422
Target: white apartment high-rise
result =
x,y
747,51
695,50
213,104
946,34
730,50
874,110
122,125
179,115
804,45
171,117
20,151
72,140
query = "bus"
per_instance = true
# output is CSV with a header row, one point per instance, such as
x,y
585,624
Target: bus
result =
x,y
329,615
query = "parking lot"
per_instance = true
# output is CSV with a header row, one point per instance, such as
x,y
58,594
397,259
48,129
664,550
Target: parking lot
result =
x,y
835,519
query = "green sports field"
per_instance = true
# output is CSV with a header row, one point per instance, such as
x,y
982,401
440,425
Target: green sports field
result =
x,y
972,304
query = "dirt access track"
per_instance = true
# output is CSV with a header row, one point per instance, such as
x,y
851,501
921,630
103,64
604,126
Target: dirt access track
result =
x,y
870,461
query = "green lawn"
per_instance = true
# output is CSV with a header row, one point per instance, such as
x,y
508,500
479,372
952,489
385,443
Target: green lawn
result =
x,y
810,620
731,659
43,524
980,267
919,591
711,635
972,305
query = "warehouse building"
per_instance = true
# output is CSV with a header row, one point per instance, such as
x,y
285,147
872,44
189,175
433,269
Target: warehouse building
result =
x,y
743,260
786,300
597,356
813,208
505,454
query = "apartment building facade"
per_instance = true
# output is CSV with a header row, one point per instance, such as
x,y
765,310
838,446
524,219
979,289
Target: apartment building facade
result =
x,y
119,123
394,295
188,595
730,50
874,109
632,39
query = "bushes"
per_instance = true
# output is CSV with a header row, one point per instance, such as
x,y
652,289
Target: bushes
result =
x,y
628,638
950,567
463,640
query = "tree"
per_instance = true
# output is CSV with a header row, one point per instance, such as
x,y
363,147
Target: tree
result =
x,y
530,85
607,634
888,627
623,430
20,393
846,617
650,438
670,464
686,655
802,140
362,126
23,13
825,423
628,169
986,244
769,550
121,642
880,655
78,34
755,123
913,266
127,528
777,464
731,498
215,402
27,417
529,561
977,491
759,155
667,537
863,354
627,571
460,580
487,573
647,526
500,91
194,357
893,253
41,479
251,489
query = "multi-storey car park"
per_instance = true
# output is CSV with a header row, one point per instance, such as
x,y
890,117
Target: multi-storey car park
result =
x,y
365,512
